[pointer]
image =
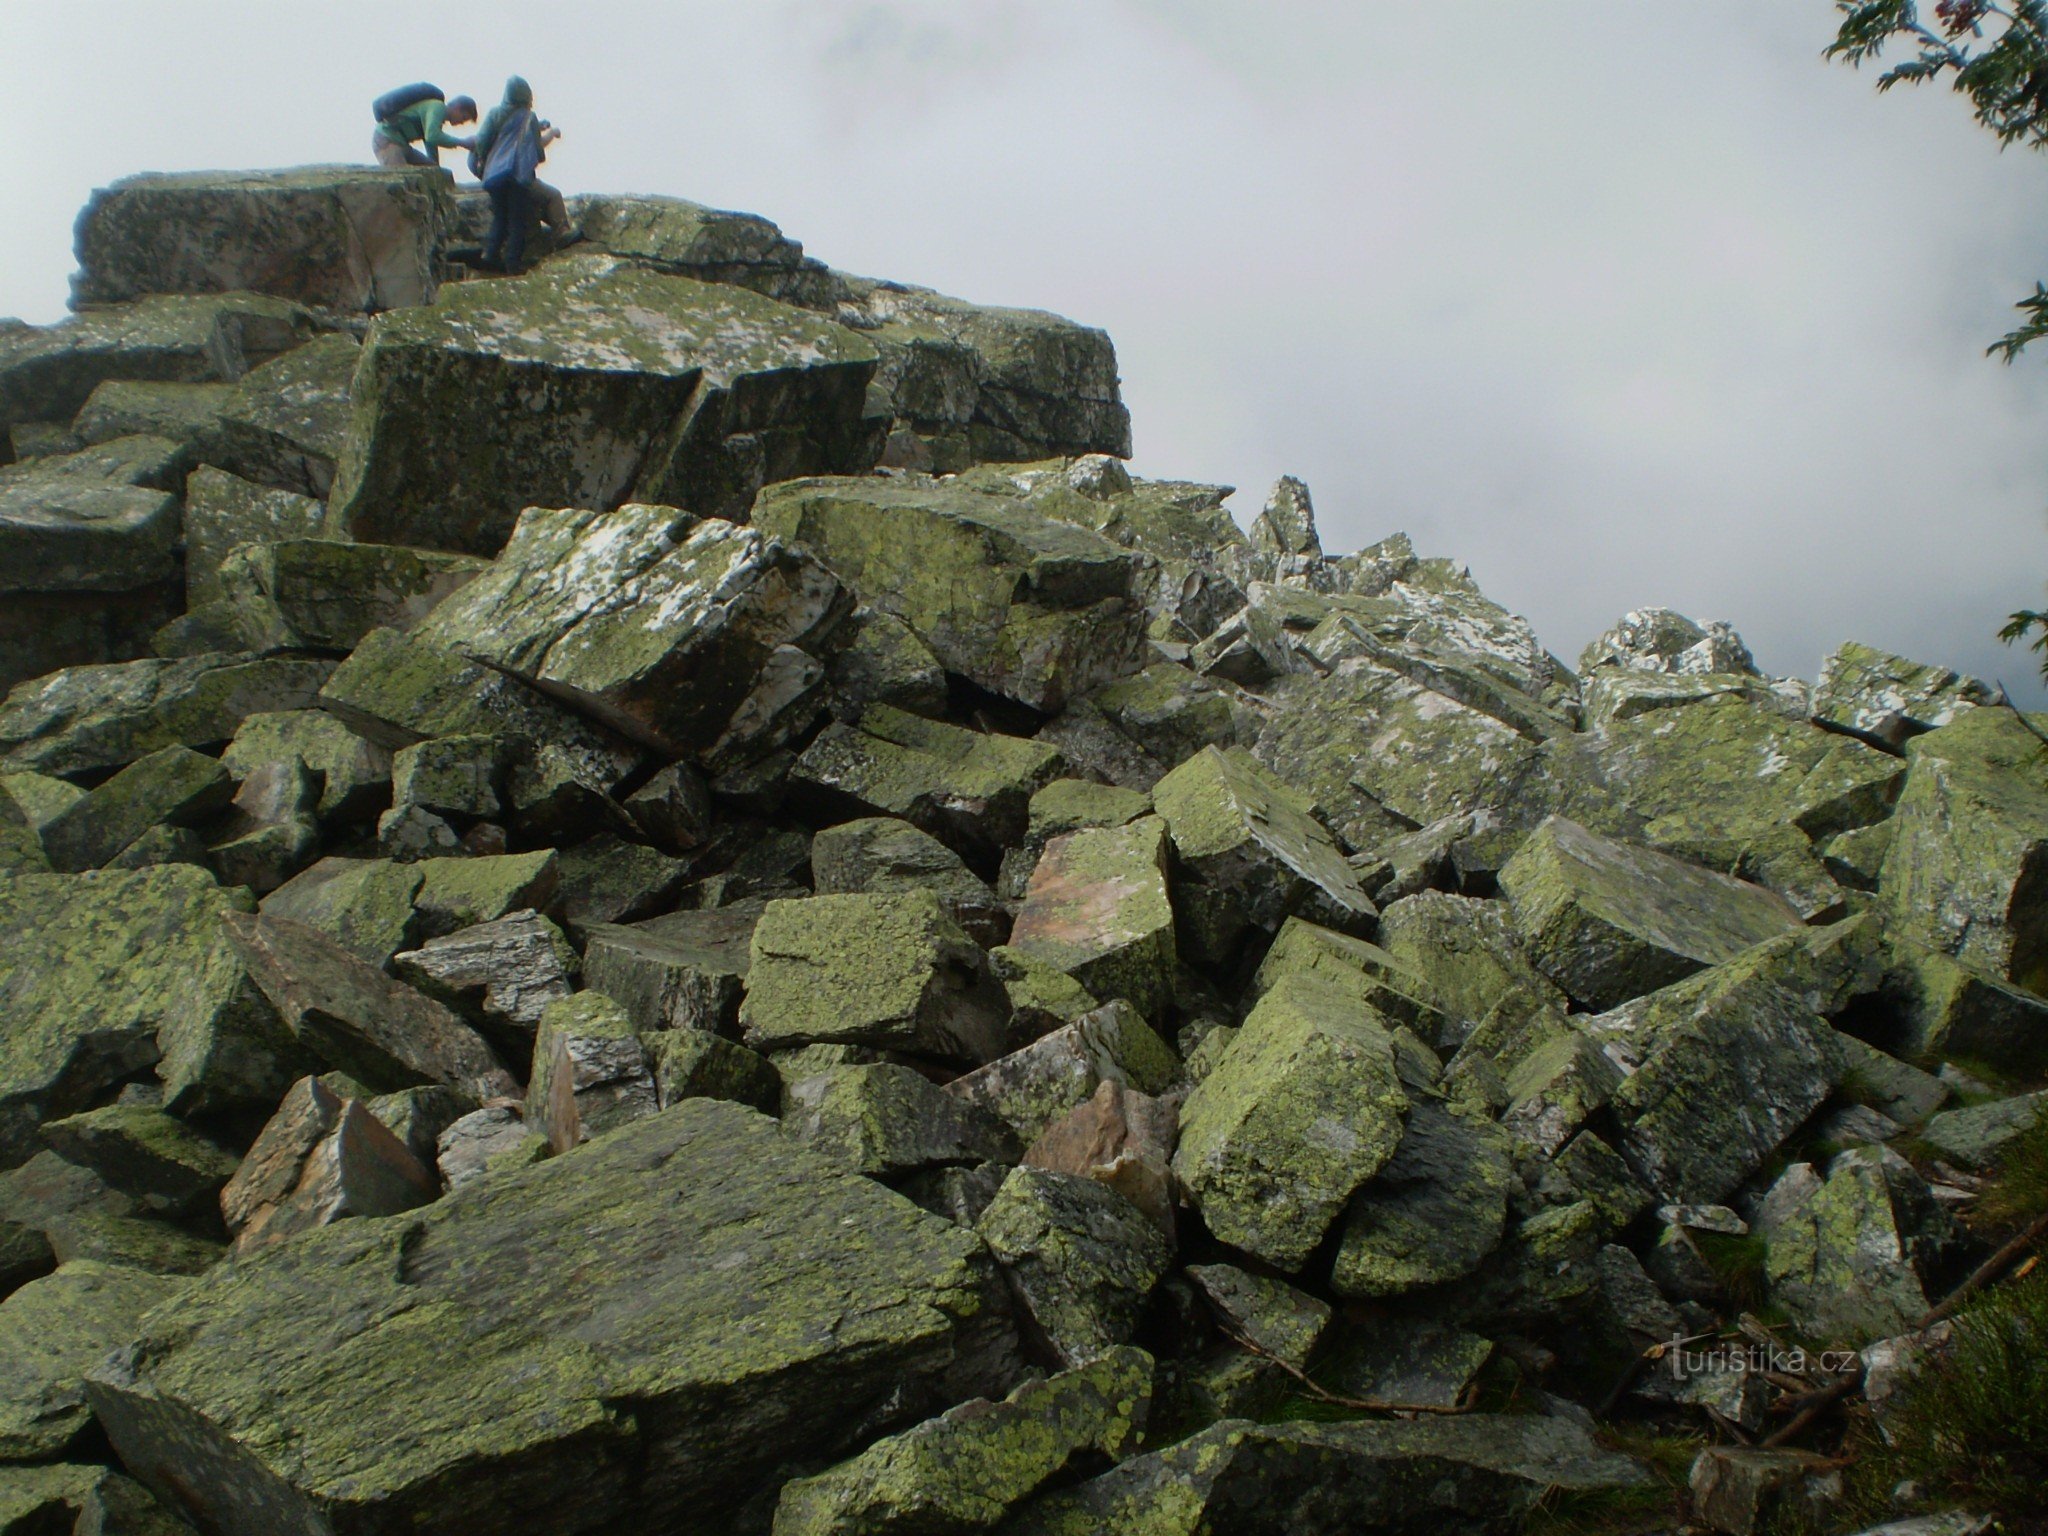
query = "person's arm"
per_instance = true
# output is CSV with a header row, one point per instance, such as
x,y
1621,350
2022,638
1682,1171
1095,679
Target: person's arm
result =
x,y
436,138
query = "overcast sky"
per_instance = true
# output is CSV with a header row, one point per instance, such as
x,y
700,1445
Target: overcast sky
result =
x,y
1618,303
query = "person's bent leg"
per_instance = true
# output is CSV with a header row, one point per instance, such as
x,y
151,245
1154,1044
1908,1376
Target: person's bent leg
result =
x,y
388,150
552,207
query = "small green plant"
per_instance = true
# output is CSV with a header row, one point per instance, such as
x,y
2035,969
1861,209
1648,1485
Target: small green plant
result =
x,y
1738,1263
2018,1190
1972,1427
1658,1506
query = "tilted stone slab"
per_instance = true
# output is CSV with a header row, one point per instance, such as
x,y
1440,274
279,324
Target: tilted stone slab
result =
x,y
110,973
882,853
351,1016
654,621
346,238
188,414
87,718
1403,1478
174,786
52,1331
1434,1212
590,383
969,789
965,1469
591,1074
1302,1109
1025,605
317,594
285,423
1255,853
1882,697
1608,920
1967,871
47,373
223,511
1097,909
886,1121
569,1325
890,971
687,970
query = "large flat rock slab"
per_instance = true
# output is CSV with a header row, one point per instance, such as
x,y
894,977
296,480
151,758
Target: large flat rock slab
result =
x,y
564,1349
354,239
588,383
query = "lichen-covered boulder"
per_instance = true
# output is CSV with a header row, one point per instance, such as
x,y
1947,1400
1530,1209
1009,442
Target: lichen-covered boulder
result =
x,y
88,567
1253,853
154,1158
967,1468
351,1016
1731,1063
1975,1135
52,1331
886,1121
466,1368
1433,1212
1939,1007
396,689
316,594
1608,921
175,786
1097,909
589,383
696,1064
590,1074
285,423
345,238
684,971
1033,1087
657,622
714,245
1081,1257
47,373
108,974
1302,1109
364,905
75,1497
891,971
1379,979
187,414
82,719
882,853
1879,696
1967,871
970,789
1026,606
224,511
1400,1477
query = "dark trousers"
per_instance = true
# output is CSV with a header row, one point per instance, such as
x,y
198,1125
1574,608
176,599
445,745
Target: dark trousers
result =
x,y
510,212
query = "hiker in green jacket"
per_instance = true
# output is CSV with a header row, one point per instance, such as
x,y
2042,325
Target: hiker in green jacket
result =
x,y
424,123
547,202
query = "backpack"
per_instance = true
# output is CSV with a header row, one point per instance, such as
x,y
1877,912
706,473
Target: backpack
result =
x,y
391,103
515,153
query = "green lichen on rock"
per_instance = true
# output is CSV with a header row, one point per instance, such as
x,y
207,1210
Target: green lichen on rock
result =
x,y
111,973
1253,854
152,1157
1406,1478
655,621
885,1121
52,1331
223,511
1026,606
285,423
883,970
970,789
299,1389
82,719
1302,1109
316,594
1097,908
1433,1212
364,905
1608,921
881,853
1967,871
188,414
969,1467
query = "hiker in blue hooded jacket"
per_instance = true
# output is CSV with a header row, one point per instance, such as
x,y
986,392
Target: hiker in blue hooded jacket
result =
x,y
510,147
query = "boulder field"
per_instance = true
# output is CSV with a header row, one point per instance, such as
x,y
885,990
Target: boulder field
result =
x,y
658,896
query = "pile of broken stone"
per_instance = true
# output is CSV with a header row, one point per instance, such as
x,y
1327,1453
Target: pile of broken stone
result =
x,y
659,896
